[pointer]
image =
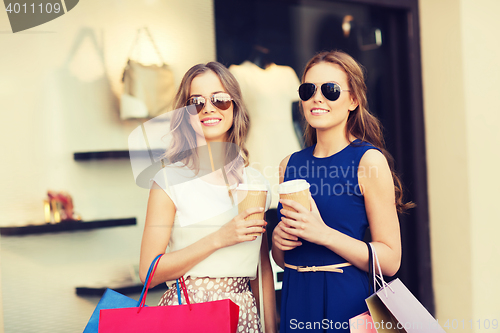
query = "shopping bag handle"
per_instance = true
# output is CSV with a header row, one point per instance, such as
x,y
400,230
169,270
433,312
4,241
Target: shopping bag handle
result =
x,y
149,277
374,260
371,272
184,291
178,291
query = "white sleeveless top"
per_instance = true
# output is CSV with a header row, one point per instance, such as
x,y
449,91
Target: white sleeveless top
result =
x,y
201,209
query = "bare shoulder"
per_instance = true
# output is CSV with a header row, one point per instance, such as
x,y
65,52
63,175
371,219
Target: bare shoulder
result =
x,y
159,199
284,162
282,167
374,174
374,168
373,158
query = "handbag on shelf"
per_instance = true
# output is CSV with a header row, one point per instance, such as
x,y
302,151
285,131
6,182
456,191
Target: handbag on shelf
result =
x,y
114,300
393,308
211,317
148,90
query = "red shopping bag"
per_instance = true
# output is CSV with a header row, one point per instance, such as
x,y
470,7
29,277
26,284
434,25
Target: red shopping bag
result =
x,y
217,317
212,317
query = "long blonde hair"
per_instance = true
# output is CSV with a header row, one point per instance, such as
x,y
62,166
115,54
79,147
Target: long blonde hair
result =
x,y
360,122
183,135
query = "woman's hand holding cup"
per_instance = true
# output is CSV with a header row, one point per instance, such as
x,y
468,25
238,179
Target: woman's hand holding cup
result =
x,y
240,229
298,191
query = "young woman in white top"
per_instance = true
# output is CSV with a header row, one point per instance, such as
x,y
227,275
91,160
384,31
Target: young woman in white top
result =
x,y
192,210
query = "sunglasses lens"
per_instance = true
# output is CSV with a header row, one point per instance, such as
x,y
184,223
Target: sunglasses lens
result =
x,y
306,91
198,102
331,91
221,101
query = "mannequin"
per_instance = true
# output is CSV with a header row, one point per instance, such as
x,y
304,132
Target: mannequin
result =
x,y
268,91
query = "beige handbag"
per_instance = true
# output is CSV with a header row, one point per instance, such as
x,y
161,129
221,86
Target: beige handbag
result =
x,y
148,90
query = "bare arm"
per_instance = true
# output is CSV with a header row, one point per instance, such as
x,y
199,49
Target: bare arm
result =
x,y
157,230
268,288
377,186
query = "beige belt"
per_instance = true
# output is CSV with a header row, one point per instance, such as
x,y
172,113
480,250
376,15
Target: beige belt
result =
x,y
327,268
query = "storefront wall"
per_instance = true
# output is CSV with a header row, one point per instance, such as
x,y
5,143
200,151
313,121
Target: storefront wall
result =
x,y
58,97
461,80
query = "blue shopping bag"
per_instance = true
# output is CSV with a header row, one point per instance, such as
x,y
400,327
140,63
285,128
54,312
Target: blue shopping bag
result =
x,y
114,300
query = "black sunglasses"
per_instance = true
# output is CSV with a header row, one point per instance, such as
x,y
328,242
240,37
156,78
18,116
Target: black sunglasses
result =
x,y
330,90
220,100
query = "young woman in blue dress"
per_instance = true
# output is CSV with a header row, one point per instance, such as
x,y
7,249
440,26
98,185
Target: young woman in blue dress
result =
x,y
352,188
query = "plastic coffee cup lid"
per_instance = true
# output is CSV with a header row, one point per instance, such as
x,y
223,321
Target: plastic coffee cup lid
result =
x,y
293,186
252,187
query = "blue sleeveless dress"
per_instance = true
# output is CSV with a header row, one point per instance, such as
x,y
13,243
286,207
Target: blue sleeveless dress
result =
x,y
325,301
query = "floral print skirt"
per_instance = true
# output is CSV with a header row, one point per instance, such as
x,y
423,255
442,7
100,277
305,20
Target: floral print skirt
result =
x,y
213,289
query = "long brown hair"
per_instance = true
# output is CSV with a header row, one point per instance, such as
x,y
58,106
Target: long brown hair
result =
x,y
183,134
360,122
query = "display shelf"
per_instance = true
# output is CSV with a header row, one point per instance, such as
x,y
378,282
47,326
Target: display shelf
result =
x,y
65,226
115,154
124,289
100,155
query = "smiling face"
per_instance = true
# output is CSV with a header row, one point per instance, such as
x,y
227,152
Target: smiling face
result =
x,y
321,113
214,122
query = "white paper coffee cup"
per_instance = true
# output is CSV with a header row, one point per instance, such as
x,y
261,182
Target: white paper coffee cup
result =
x,y
296,190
